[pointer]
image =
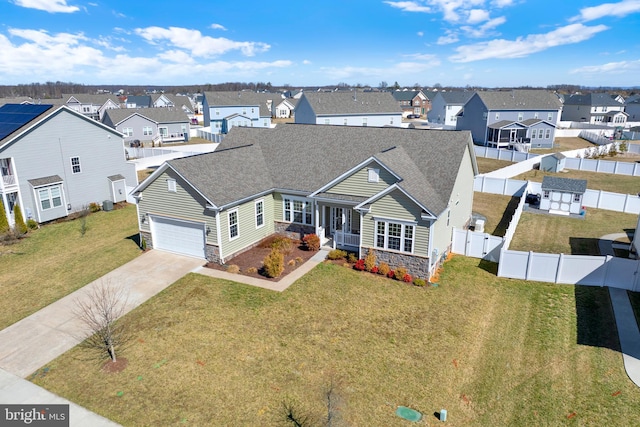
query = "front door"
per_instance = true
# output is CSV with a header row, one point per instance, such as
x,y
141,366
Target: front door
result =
x,y
514,135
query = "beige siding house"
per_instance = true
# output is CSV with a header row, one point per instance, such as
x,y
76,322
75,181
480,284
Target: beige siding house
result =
x,y
398,192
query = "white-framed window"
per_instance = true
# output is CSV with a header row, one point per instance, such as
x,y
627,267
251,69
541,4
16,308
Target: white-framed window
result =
x,y
244,111
533,134
520,116
171,185
484,115
345,122
234,232
217,112
327,121
75,165
547,134
497,116
395,236
259,213
297,210
540,133
265,123
391,121
546,194
576,198
364,121
127,131
86,109
535,115
50,197
163,131
147,131
550,116
373,175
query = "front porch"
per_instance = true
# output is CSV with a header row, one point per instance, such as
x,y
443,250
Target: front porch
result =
x,y
338,226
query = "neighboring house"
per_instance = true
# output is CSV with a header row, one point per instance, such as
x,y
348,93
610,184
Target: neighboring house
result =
x,y
562,196
553,163
93,106
350,108
160,125
411,101
224,110
514,118
394,191
445,107
594,108
139,101
55,161
285,108
632,108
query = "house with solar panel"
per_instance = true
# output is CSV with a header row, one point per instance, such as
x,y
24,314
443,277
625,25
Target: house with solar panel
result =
x,y
518,118
394,191
55,161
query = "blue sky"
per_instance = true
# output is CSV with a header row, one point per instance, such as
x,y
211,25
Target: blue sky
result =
x,y
488,43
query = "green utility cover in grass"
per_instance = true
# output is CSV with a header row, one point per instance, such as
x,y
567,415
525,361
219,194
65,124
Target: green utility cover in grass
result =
x,y
408,414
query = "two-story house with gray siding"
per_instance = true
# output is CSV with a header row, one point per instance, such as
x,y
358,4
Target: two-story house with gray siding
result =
x,y
445,107
225,110
594,108
394,191
512,118
349,108
54,161
93,106
157,125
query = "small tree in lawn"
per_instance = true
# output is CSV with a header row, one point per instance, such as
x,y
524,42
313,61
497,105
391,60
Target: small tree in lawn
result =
x,y
99,309
4,222
21,226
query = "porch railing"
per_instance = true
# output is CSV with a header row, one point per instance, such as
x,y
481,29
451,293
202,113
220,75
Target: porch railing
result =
x,y
346,239
8,180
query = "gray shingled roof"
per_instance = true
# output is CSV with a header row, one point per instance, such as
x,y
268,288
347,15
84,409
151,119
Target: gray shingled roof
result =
x,y
94,99
307,157
577,186
456,97
39,182
117,177
243,98
592,99
520,99
404,95
324,103
158,115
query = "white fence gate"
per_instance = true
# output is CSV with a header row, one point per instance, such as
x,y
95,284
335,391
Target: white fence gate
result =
x,y
477,245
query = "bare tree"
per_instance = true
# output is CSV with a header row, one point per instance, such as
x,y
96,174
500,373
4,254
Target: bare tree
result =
x,y
99,309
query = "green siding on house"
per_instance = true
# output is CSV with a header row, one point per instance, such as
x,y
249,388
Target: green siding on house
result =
x,y
396,205
185,203
460,205
277,207
248,234
358,183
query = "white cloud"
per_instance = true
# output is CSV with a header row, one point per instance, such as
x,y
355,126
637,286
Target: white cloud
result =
x,y
502,3
196,43
477,15
409,6
306,62
525,46
609,68
218,27
51,6
484,29
420,33
423,57
106,42
621,9
449,38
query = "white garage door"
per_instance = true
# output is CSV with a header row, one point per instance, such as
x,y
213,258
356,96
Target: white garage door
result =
x,y
175,235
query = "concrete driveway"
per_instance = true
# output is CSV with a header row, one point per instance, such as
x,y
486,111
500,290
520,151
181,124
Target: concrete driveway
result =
x,y
36,340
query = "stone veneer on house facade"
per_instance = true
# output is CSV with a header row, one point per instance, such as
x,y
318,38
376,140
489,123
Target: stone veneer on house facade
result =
x,y
416,266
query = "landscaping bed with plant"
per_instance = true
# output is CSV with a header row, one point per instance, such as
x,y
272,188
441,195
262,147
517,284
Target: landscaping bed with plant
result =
x,y
488,350
277,253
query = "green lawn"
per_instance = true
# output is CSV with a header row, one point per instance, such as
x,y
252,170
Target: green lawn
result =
x,y
214,352
564,144
56,260
561,234
623,184
498,210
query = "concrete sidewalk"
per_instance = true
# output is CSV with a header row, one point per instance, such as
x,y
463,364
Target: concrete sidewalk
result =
x,y
36,340
278,286
628,332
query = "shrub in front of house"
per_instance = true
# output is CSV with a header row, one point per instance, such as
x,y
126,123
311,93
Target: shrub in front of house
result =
x,y
352,258
369,261
336,254
374,270
4,222
20,226
400,273
273,263
383,268
252,270
359,265
282,244
419,282
391,274
407,278
32,224
233,269
94,207
311,242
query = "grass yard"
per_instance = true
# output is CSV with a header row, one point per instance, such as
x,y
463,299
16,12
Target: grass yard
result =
x,y
213,352
623,184
560,234
486,165
56,259
498,210
564,144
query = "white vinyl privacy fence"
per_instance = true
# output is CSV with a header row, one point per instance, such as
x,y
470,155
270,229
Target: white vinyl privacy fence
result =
x,y
477,245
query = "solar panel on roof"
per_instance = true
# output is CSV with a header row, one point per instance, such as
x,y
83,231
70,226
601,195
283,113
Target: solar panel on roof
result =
x,y
14,116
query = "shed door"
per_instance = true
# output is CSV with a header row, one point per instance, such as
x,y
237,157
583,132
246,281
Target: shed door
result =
x,y
119,191
179,236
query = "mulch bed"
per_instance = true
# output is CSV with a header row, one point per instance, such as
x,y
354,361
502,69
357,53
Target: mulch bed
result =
x,y
254,256
115,367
